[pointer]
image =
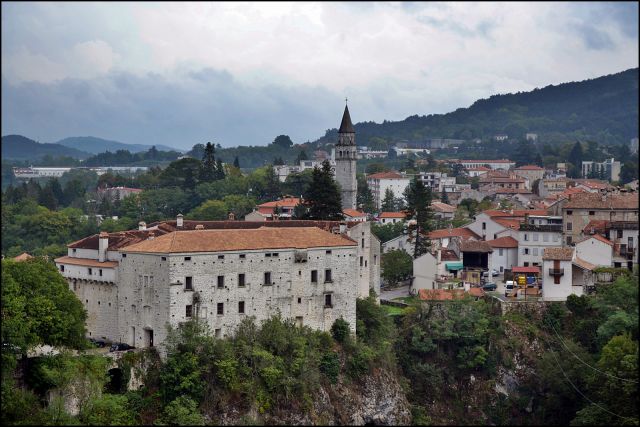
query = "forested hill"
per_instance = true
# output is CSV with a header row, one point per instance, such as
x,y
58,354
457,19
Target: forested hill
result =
x,y
604,109
22,148
98,145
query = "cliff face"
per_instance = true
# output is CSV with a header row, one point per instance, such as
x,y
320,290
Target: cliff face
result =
x,y
375,399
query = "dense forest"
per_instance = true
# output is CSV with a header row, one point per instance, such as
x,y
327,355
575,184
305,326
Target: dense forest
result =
x,y
604,110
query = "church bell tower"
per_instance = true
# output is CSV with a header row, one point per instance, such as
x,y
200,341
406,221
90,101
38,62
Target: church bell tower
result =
x,y
345,155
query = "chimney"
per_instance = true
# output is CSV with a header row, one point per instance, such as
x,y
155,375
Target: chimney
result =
x,y
103,244
232,216
179,222
142,225
199,227
151,235
343,227
439,256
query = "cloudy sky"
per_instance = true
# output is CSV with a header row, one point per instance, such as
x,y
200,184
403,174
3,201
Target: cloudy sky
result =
x,y
243,73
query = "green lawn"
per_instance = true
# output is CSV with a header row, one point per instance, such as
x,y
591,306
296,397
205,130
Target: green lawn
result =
x,y
393,311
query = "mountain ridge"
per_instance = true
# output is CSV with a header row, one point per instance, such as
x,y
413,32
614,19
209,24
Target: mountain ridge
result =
x,y
96,145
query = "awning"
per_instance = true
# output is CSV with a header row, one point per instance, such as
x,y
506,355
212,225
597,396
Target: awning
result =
x,y
454,265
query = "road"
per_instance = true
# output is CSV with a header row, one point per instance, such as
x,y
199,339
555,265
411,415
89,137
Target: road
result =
x,y
402,291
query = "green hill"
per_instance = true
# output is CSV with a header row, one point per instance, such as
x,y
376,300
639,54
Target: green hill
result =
x,y
19,147
604,109
95,145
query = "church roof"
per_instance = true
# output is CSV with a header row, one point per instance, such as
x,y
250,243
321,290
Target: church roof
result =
x,y
346,126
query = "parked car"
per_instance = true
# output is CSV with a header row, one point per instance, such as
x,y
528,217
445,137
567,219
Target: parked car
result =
x,y
494,273
510,289
120,347
490,287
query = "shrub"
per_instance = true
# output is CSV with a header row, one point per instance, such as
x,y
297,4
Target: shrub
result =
x,y
340,330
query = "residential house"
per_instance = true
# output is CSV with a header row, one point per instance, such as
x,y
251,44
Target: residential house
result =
x,y
391,217
533,173
277,210
505,253
479,171
436,181
379,183
354,215
443,211
557,274
535,234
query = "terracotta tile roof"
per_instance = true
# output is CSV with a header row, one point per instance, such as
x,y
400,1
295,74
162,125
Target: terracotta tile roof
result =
x,y
290,202
583,264
453,232
241,239
393,215
86,262
442,207
597,201
475,246
385,175
513,224
597,237
448,255
562,254
515,212
529,168
532,269
117,240
598,185
503,242
353,213
476,292
22,257
596,226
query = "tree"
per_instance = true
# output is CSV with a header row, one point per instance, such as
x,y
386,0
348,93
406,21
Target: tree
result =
x,y
444,198
392,154
419,199
278,161
240,205
323,196
302,155
236,162
182,411
208,169
396,265
181,173
283,141
629,171
364,197
211,210
387,231
389,201
197,151
219,169
575,158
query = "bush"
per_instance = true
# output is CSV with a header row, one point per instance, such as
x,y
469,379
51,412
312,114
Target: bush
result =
x,y
340,330
330,366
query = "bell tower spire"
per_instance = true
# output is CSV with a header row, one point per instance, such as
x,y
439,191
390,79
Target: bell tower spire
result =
x,y
345,156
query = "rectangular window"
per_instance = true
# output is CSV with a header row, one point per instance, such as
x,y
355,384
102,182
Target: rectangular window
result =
x,y
241,280
188,311
361,261
535,251
275,254
545,237
267,278
220,308
375,260
218,333
241,307
220,256
535,237
90,271
100,272
164,258
526,237
495,236
267,255
327,252
187,258
242,256
500,251
62,268
327,275
569,226
555,237
569,240
327,301
526,264
188,283
314,276
592,212
220,282
619,234
484,225
363,243
569,212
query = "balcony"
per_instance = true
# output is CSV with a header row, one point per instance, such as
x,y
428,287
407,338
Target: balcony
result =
x,y
556,272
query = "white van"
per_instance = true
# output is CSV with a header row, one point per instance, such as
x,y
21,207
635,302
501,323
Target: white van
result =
x,y
510,289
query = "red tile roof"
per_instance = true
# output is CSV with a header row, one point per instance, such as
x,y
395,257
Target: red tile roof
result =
x,y
597,237
513,224
562,254
290,202
453,232
526,270
596,226
22,257
475,246
503,242
448,255
515,212
385,175
392,215
241,239
598,201
584,264
354,213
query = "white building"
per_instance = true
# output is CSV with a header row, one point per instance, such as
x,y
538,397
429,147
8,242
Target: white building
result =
x,y
379,183
391,217
557,275
134,283
537,233
504,255
401,151
502,164
436,181
609,169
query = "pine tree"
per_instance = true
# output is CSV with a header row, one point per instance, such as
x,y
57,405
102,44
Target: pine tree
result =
x,y
300,211
323,195
47,199
539,161
208,170
419,210
575,158
364,198
389,201
444,198
236,162
219,170
301,156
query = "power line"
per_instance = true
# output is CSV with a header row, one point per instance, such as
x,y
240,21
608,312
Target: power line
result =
x,y
592,367
581,393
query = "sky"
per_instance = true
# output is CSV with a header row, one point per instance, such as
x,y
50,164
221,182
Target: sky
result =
x,y
179,74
